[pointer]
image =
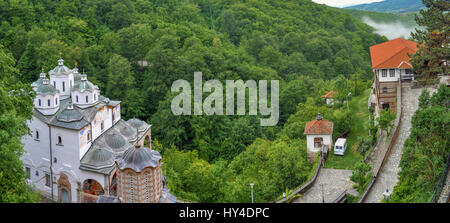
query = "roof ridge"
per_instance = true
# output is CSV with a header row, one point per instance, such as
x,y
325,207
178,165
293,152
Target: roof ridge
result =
x,y
393,55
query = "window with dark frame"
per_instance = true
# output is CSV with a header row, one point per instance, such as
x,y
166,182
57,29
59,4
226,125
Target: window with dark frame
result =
x,y
384,73
391,73
87,99
59,140
37,134
47,180
39,101
28,172
48,102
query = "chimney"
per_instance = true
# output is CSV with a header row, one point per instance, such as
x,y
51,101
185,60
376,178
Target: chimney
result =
x,y
319,117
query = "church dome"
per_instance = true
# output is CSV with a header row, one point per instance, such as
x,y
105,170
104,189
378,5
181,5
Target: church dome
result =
x,y
115,141
69,115
60,69
84,85
136,123
127,131
46,89
138,158
99,157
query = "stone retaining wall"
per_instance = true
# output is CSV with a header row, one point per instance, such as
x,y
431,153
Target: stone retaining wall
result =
x,y
391,141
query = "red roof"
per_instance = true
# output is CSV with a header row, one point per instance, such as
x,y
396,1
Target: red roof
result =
x,y
319,127
392,54
329,94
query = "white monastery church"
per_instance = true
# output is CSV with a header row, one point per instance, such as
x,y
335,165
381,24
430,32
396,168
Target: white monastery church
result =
x,y
80,150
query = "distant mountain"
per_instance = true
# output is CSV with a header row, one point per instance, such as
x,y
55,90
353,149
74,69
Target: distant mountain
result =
x,y
392,6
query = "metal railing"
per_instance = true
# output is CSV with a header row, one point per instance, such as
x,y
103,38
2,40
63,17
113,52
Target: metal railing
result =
x,y
438,188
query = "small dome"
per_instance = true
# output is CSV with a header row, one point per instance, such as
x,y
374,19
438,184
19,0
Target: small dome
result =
x,y
69,115
138,158
127,131
60,69
136,123
46,89
99,157
115,141
85,85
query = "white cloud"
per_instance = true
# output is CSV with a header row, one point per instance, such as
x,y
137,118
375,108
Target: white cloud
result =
x,y
344,3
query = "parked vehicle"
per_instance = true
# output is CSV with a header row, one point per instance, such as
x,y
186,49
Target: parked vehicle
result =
x,y
340,146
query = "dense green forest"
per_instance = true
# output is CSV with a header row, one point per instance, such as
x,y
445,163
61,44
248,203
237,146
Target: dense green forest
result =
x,y
310,48
426,150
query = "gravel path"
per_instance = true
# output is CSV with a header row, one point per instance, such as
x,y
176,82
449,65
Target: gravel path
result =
x,y
334,183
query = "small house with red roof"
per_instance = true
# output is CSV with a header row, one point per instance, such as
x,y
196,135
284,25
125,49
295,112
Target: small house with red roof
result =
x,y
391,65
318,133
329,97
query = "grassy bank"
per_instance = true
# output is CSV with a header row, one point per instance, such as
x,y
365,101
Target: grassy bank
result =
x,y
359,127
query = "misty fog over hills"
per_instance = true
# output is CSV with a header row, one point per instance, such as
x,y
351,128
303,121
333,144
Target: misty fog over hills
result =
x,y
390,30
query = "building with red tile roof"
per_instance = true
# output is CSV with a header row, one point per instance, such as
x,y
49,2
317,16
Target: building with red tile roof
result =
x,y
318,134
391,65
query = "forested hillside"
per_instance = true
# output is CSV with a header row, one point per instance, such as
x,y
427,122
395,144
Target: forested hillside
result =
x,y
310,48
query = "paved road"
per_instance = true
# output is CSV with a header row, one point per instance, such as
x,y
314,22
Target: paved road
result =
x,y
388,175
334,183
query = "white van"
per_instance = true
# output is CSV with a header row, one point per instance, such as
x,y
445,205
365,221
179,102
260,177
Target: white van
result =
x,y
340,146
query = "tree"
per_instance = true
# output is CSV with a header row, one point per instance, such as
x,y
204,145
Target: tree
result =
x,y
433,56
361,176
15,109
385,119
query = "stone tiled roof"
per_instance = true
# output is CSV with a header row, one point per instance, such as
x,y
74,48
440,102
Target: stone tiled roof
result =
x,y
46,89
84,85
138,158
113,141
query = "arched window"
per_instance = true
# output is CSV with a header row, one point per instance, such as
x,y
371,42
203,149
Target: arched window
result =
x,y
64,86
54,84
76,98
37,134
89,135
48,102
95,97
56,101
87,98
39,102
59,140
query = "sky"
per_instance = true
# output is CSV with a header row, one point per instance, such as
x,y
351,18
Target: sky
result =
x,y
344,3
